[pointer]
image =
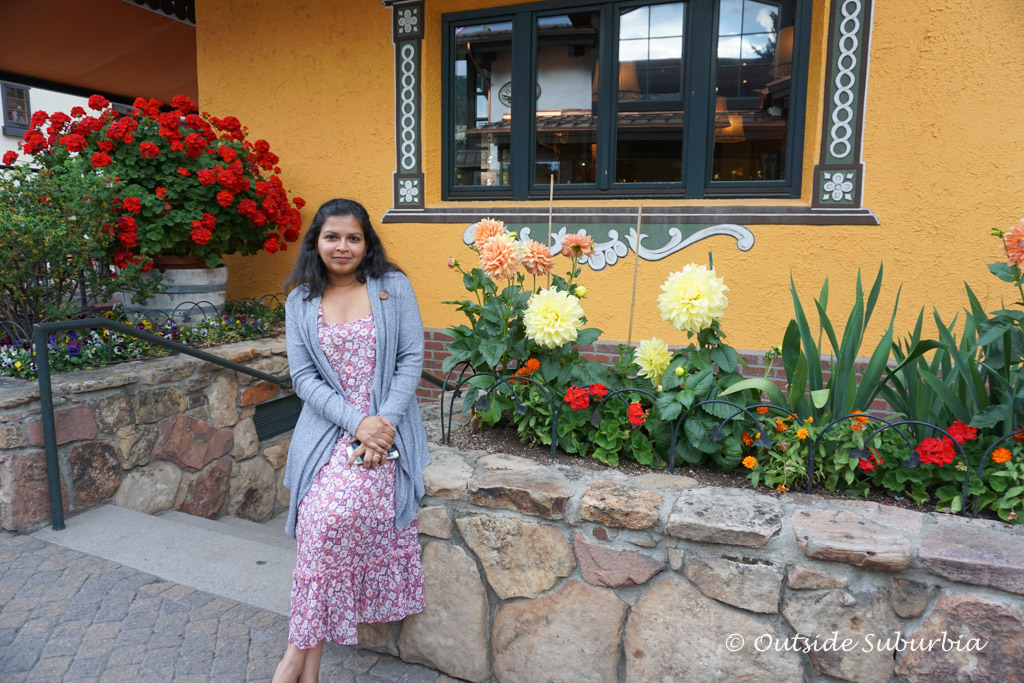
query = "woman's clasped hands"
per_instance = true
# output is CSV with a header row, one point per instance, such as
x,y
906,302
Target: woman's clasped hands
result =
x,y
375,436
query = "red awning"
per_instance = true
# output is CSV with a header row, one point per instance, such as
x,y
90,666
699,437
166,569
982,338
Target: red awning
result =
x,y
111,47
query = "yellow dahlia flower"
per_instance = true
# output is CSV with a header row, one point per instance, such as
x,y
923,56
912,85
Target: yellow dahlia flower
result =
x,y
692,298
653,358
553,317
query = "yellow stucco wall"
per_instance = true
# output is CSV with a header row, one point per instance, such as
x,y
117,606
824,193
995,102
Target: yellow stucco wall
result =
x,y
943,137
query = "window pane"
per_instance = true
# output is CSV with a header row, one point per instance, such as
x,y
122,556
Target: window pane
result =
x,y
566,98
482,114
649,125
752,83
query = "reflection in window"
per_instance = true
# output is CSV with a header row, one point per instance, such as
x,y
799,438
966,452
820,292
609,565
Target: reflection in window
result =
x,y
649,125
483,99
567,82
16,110
752,83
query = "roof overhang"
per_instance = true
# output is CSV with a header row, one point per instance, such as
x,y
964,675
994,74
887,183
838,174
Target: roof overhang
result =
x,y
111,47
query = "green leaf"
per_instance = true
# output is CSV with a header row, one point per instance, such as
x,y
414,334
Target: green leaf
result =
x,y
687,397
668,409
797,383
700,383
991,416
1014,492
726,357
587,336
951,400
1003,272
819,398
769,388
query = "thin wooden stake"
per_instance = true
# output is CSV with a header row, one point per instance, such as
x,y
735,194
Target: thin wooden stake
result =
x,y
551,212
636,265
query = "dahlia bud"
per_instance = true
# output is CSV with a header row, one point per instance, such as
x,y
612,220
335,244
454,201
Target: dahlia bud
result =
x,y
581,291
451,261
679,371
996,232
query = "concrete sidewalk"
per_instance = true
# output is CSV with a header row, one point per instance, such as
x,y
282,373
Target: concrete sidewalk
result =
x,y
69,616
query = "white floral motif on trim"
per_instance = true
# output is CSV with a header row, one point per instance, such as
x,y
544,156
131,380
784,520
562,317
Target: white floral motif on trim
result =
x,y
838,187
409,191
407,21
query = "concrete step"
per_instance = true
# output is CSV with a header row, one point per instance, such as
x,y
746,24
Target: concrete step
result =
x,y
242,528
212,557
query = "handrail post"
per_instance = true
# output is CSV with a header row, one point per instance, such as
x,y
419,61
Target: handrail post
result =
x,y
39,338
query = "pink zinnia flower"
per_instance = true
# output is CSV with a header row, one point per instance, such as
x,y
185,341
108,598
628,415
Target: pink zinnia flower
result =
x,y
500,256
577,245
485,230
1013,240
537,258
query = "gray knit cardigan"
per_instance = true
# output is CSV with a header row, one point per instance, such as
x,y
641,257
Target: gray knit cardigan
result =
x,y
326,413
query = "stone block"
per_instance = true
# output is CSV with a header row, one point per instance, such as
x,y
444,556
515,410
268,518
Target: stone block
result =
x,y
612,568
954,621
258,393
451,634
247,442
728,516
114,412
571,635
277,453
70,424
168,370
977,556
191,443
24,492
12,436
752,585
910,598
839,536
153,405
434,521
149,489
375,636
252,490
533,492
222,397
663,480
208,490
620,505
520,560
95,472
137,444
802,578
675,633
447,474
503,462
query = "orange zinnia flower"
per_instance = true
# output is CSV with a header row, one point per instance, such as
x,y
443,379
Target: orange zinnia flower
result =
x,y
1001,455
781,489
1019,436
860,420
780,425
748,440
537,258
801,433
500,256
577,245
485,230
762,409
750,462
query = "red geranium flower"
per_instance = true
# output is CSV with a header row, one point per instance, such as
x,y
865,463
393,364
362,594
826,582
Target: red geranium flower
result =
x,y
10,158
935,452
868,464
148,150
39,118
127,223
636,414
99,160
184,103
132,204
207,176
598,390
578,398
226,153
77,112
184,171
160,192
962,433
128,239
271,244
224,198
98,102
299,202
74,142
201,235
106,146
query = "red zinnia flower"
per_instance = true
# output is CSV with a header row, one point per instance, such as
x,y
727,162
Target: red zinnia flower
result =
x,y
636,414
98,102
962,433
149,150
935,452
99,159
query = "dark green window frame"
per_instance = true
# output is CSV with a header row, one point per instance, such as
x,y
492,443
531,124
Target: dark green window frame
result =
x,y
698,60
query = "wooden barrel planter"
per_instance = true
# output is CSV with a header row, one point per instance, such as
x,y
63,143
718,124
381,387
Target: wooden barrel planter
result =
x,y
190,291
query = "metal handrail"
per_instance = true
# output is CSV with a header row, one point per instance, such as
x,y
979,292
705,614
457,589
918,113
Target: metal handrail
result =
x,y
40,336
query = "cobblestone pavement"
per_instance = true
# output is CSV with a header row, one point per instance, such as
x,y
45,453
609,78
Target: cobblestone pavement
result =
x,y
65,615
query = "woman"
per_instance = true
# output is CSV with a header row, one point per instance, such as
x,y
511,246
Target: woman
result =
x,y
355,351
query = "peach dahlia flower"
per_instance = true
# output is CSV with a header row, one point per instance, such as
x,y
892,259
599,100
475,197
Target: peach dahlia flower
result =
x,y
1013,240
537,258
500,256
485,230
577,245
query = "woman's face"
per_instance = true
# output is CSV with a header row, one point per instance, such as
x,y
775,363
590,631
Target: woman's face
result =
x,y
341,246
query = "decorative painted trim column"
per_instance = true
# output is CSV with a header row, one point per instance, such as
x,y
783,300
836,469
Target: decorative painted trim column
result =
x,y
407,35
839,173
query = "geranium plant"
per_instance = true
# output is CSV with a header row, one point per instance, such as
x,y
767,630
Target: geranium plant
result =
x,y
187,184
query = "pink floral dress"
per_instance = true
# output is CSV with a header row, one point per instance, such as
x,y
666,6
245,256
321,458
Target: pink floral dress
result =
x,y
353,566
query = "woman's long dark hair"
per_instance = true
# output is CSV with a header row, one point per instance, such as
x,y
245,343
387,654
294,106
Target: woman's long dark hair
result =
x,y
310,270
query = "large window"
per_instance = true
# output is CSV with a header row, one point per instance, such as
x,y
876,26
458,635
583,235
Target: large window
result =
x,y
689,99
16,109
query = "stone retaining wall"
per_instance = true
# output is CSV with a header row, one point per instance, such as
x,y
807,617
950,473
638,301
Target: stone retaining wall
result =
x,y
164,433
538,572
